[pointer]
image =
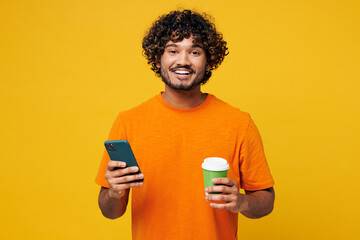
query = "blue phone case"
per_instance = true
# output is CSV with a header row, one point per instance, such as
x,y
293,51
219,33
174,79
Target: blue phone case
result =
x,y
120,150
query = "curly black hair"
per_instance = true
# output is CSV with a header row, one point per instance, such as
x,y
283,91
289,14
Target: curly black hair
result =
x,y
178,25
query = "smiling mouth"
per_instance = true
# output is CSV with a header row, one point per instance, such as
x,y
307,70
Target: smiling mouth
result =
x,y
182,72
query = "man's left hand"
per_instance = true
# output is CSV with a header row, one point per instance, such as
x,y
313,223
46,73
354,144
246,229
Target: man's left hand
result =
x,y
229,193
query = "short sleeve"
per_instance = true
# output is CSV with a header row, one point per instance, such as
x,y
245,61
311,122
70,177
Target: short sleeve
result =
x,y
254,170
116,133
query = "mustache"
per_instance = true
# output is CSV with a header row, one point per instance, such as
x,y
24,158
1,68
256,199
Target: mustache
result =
x,y
173,69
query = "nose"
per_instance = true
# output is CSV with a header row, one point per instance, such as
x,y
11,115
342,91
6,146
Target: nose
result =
x,y
183,59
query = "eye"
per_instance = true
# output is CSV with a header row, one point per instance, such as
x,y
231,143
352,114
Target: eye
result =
x,y
172,51
195,52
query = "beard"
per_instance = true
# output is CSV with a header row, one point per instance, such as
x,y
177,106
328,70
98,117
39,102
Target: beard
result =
x,y
197,81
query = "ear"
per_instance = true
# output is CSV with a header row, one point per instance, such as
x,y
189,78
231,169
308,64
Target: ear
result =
x,y
158,64
207,68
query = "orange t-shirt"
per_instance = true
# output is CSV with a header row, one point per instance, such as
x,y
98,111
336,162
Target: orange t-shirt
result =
x,y
170,145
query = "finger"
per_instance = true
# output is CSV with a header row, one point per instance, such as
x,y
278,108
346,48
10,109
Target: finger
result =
x,y
125,171
122,187
128,178
120,172
226,181
221,198
222,189
225,206
114,164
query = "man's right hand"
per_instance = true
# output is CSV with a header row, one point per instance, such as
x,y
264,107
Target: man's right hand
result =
x,y
118,182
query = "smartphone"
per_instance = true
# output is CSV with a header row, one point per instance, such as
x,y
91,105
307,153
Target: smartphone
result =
x,y
120,150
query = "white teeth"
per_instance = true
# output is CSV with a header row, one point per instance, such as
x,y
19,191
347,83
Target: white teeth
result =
x,y
182,72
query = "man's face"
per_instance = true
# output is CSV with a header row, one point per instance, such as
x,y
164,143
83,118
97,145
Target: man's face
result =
x,y
183,64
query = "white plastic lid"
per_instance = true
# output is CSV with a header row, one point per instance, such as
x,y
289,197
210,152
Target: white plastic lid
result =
x,y
215,164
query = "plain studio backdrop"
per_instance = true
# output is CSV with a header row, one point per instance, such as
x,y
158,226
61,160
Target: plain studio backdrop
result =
x,y
68,67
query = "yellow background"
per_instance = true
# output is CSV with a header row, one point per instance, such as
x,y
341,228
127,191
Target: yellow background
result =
x,y
68,67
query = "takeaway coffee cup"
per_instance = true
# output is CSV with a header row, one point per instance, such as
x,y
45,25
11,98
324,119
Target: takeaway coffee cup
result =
x,y
214,167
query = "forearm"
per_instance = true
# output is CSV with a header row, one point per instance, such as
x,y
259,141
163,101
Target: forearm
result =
x,y
112,208
258,204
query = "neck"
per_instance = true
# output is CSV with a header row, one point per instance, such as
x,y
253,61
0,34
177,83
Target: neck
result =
x,y
183,99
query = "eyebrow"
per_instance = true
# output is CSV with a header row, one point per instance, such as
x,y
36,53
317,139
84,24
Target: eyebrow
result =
x,y
193,46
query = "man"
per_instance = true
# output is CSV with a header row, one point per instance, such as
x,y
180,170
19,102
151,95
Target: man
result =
x,y
172,133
